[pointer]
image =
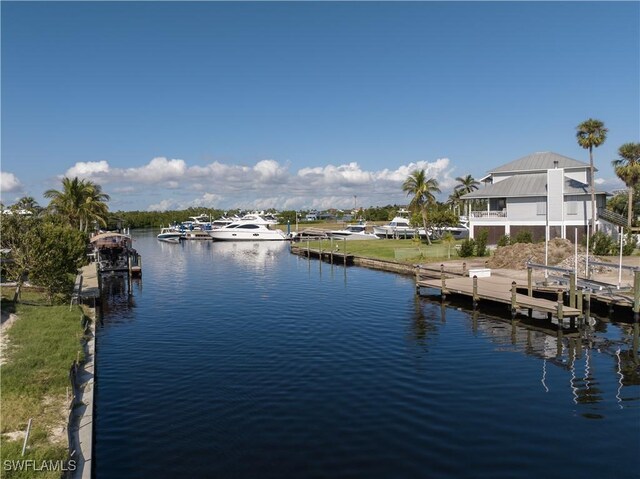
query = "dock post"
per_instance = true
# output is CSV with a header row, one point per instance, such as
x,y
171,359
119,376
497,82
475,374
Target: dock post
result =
x,y
636,294
418,279
530,288
513,298
308,251
129,266
560,311
443,290
587,307
345,251
572,289
579,299
331,249
464,269
475,290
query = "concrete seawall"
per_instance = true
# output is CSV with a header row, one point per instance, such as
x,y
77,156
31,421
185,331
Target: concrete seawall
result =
x,y
81,423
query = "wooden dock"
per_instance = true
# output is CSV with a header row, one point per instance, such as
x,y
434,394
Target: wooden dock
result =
x,y
330,256
500,290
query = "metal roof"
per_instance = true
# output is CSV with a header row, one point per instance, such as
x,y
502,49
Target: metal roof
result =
x,y
544,160
534,184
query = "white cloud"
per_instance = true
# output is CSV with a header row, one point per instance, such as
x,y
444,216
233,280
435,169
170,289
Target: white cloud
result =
x,y
266,184
9,182
88,169
157,170
163,205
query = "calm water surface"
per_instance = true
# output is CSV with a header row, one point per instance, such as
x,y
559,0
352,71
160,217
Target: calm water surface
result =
x,y
238,360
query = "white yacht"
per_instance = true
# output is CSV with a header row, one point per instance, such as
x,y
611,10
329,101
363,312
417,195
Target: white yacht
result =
x,y
398,227
352,232
247,231
169,234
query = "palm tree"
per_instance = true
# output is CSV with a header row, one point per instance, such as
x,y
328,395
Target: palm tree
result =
x,y
28,203
591,134
422,189
627,167
454,200
80,202
466,185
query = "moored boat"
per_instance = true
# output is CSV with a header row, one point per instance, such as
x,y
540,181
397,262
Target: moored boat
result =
x,y
247,231
167,233
353,232
398,227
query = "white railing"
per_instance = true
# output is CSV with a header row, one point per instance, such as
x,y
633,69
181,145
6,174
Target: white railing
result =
x,y
489,214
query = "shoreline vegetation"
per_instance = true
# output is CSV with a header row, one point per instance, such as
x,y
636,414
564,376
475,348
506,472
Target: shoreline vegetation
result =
x,y
42,344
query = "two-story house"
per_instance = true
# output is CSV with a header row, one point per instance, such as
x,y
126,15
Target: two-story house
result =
x,y
532,193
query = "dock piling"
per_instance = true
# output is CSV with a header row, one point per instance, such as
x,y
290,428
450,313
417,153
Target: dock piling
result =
x,y
560,306
636,293
572,289
443,290
513,298
475,290
587,306
345,251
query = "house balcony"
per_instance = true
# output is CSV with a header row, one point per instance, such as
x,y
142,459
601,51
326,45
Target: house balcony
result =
x,y
488,215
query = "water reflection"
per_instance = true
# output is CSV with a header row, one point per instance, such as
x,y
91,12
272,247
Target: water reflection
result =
x,y
587,352
117,300
257,255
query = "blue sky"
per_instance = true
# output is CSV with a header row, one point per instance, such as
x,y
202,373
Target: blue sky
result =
x,y
304,105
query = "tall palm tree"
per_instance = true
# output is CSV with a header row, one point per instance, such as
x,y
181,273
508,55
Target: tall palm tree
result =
x,y
627,167
591,134
80,202
466,185
422,189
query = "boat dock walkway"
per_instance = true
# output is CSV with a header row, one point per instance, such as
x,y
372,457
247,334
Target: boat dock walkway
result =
x,y
328,255
579,291
499,290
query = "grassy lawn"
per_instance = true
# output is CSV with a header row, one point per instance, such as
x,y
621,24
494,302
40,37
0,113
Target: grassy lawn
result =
x,y
43,343
402,251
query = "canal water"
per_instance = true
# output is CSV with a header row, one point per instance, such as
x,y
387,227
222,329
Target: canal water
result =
x,y
241,360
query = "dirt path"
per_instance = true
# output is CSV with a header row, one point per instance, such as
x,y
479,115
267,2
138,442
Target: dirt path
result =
x,y
7,321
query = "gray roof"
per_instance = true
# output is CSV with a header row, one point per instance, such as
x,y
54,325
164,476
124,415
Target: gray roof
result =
x,y
534,184
539,161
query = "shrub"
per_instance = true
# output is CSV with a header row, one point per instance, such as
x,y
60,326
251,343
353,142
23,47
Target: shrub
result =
x,y
481,243
504,240
523,236
601,244
466,248
629,244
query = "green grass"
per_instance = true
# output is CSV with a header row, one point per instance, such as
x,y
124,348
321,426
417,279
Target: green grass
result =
x,y
403,251
43,343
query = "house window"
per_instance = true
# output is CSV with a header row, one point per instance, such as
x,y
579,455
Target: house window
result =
x,y
541,208
572,205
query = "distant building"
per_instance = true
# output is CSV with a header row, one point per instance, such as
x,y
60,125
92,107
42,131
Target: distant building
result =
x,y
533,191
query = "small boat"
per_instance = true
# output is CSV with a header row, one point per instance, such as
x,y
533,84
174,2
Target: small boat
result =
x,y
247,231
166,233
398,227
353,232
